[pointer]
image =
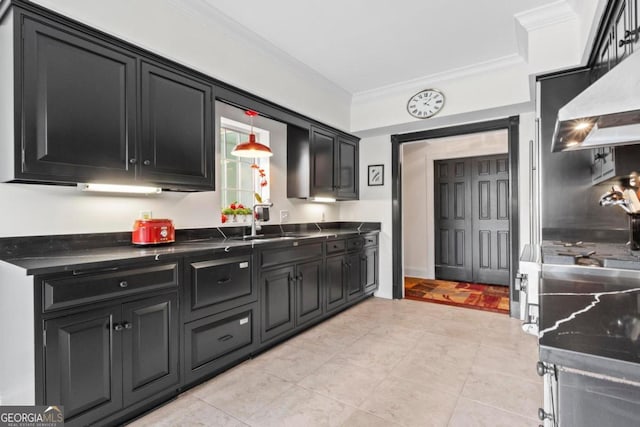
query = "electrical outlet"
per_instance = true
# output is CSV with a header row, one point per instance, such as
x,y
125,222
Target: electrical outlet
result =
x,y
284,216
145,215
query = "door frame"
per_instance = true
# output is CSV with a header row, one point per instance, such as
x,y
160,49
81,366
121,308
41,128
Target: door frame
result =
x,y
511,124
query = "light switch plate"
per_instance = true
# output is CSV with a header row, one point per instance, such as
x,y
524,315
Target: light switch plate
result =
x,y
284,216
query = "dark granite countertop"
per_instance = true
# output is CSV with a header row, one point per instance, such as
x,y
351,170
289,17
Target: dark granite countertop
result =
x,y
54,254
590,319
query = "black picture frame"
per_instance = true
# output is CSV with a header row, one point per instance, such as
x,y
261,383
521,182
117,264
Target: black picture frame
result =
x,y
375,175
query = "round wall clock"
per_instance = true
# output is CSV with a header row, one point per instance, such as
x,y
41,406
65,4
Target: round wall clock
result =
x,y
426,103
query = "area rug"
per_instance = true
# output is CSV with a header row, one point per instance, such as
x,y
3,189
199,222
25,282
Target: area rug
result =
x,y
461,294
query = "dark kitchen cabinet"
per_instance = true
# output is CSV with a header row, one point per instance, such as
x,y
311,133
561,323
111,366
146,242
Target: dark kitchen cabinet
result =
x,y
614,162
217,283
109,339
351,270
290,297
277,302
369,269
219,312
291,283
308,291
355,285
336,282
83,364
323,174
149,347
321,163
177,129
347,169
618,37
96,110
218,341
78,106
100,361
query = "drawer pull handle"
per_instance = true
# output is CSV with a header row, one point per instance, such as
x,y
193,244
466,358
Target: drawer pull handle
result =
x,y
124,284
223,281
117,327
127,325
225,338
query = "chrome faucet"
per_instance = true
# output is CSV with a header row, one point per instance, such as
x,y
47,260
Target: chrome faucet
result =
x,y
253,216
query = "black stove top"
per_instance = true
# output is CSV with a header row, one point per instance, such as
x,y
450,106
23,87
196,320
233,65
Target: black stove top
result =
x,y
590,254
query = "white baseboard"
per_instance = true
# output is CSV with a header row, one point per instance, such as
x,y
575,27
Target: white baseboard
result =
x,y
420,273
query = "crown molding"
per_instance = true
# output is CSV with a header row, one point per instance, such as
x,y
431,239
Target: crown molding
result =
x,y
430,80
200,9
545,16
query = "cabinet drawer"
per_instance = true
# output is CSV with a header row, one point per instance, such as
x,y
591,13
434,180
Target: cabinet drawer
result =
x,y
370,240
290,254
336,246
216,341
64,292
220,284
355,243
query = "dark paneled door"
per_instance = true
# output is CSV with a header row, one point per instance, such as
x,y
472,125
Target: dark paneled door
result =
x,y
177,128
452,208
277,288
490,192
150,346
336,294
322,163
83,364
471,208
79,107
308,291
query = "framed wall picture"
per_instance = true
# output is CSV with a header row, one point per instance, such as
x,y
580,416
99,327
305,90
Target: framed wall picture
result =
x,y
376,175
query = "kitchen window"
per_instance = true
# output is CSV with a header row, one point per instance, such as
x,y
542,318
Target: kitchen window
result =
x,y
239,180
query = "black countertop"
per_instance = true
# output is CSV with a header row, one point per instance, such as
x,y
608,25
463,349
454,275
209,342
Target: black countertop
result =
x,y
590,319
54,254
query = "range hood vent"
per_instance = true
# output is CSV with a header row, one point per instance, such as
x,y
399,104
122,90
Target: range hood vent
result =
x,y
606,113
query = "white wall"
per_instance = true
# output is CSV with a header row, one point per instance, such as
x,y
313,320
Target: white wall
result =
x,y
418,193
375,204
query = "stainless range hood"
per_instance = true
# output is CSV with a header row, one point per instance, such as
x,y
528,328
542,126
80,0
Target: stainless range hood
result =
x,y
606,113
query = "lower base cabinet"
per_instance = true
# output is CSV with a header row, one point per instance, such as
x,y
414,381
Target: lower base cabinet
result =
x,y
336,292
99,361
215,342
135,348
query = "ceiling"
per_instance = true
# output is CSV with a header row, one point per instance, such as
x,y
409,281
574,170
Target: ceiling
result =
x,y
365,45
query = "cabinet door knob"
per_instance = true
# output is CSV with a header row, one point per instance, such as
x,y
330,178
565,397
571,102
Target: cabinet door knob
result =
x,y
117,327
127,325
133,161
124,284
146,162
300,277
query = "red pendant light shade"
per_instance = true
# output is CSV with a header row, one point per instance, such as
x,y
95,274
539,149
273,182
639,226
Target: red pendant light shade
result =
x,y
251,148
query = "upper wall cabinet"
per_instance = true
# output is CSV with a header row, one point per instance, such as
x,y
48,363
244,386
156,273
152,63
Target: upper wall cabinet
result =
x,y
321,163
89,108
79,107
618,37
177,122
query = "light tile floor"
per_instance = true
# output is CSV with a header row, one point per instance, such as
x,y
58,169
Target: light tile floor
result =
x,y
380,363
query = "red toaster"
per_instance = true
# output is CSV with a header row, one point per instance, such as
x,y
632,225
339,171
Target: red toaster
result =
x,y
153,232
